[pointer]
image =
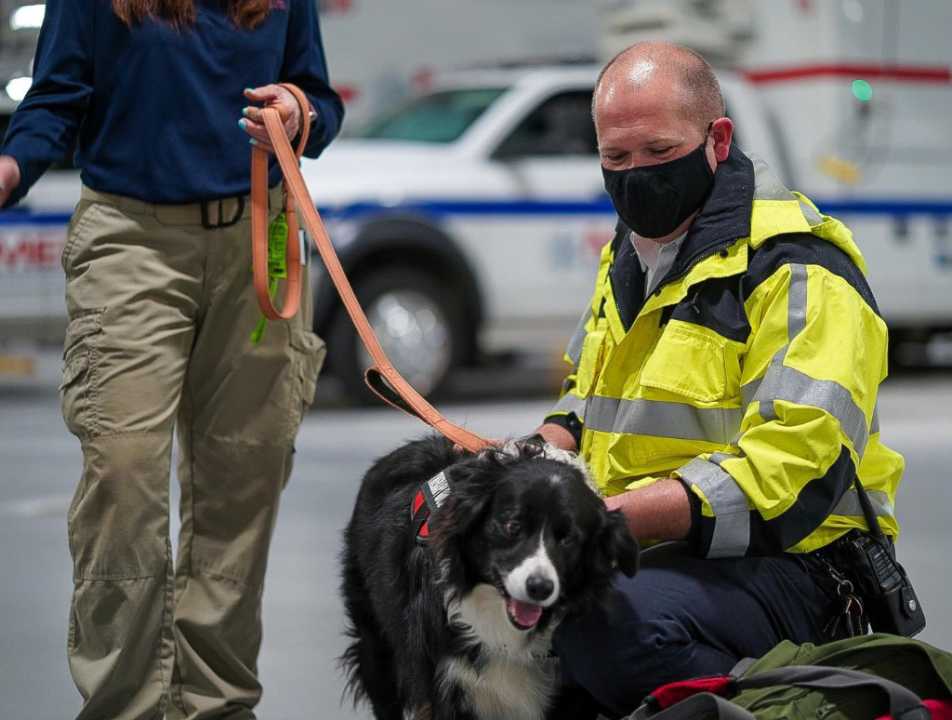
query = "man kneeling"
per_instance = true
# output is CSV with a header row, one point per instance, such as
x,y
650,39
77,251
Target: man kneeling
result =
x,y
723,391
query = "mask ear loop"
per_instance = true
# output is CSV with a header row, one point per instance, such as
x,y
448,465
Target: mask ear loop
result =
x,y
707,134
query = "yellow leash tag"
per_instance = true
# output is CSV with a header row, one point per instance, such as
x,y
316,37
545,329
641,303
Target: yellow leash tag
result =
x,y
277,265
278,247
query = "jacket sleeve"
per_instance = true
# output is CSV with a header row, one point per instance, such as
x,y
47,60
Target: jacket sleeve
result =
x,y
45,123
306,67
813,363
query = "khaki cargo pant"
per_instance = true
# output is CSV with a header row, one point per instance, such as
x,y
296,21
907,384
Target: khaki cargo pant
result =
x,y
160,316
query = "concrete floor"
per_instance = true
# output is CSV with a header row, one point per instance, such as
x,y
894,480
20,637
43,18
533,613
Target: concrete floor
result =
x,y
39,466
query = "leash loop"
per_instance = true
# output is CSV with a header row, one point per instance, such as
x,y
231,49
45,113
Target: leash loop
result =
x,y
259,214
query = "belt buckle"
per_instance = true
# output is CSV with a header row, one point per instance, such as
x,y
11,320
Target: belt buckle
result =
x,y
221,223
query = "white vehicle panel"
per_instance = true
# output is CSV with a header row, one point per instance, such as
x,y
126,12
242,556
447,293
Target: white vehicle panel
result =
x,y
532,226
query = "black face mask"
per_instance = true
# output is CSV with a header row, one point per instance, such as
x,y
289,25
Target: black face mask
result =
x,y
654,200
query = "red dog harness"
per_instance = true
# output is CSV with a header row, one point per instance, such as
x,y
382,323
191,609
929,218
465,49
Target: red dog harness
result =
x,y
426,501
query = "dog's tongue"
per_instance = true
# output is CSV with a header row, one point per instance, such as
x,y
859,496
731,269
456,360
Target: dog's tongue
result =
x,y
525,614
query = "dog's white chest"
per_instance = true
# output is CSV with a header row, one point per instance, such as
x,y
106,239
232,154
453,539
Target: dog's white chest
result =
x,y
515,679
503,689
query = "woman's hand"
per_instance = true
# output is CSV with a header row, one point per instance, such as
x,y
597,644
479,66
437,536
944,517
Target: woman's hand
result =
x,y
272,96
9,177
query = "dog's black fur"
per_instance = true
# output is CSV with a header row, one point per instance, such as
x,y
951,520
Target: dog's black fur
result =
x,y
410,644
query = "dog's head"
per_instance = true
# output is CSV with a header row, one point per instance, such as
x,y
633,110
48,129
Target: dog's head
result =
x,y
524,520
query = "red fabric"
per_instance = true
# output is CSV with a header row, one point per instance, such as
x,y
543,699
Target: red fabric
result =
x,y
938,709
667,695
418,501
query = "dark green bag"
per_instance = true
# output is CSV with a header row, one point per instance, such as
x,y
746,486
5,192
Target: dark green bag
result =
x,y
860,678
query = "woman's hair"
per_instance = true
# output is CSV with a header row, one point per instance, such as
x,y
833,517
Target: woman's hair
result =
x,y
246,14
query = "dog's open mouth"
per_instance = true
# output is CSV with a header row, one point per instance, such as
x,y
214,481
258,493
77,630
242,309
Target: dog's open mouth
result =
x,y
523,615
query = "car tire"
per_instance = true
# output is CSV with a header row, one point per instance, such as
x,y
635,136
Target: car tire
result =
x,y
419,322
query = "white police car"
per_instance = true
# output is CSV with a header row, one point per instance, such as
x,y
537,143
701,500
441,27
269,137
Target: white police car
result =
x,y
469,220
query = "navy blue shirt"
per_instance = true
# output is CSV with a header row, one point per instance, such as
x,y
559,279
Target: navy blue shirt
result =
x,y
157,108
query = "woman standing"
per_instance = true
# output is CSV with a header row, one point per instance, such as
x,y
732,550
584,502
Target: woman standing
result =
x,y
161,313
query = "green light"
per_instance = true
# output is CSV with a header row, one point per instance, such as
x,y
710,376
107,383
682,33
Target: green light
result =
x,y
862,90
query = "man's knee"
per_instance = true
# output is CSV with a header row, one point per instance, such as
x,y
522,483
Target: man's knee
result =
x,y
118,520
235,489
623,651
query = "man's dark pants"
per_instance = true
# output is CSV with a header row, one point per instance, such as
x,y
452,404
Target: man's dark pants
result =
x,y
682,617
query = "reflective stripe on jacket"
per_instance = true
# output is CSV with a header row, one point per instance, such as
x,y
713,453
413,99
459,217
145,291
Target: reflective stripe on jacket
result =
x,y
751,373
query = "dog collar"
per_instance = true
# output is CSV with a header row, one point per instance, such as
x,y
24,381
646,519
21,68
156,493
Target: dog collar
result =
x,y
426,502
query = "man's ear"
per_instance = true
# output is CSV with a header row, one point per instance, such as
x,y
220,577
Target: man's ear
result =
x,y
722,130
619,546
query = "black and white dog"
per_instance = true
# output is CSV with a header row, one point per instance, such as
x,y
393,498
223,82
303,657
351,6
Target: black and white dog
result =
x,y
460,626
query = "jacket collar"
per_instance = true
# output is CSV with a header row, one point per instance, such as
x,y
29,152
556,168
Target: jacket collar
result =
x,y
725,216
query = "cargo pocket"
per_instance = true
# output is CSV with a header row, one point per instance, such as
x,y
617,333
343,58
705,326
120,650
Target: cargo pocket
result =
x,y
309,352
691,364
78,388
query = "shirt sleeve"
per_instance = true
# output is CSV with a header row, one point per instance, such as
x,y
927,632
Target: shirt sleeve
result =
x,y
45,123
811,374
306,67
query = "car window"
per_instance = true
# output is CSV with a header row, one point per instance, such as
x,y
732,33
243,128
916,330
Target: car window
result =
x,y
561,125
439,117
66,163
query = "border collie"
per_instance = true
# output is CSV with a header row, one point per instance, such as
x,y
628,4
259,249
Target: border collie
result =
x,y
459,626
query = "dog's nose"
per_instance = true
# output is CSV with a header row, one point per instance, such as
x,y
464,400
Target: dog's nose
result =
x,y
539,587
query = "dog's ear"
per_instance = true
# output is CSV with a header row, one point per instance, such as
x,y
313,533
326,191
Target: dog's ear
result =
x,y
453,530
472,486
618,546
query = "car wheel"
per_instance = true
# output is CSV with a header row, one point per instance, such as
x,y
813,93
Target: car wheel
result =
x,y
418,322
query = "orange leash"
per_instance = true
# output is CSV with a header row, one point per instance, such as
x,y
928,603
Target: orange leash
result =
x,y
382,377
259,223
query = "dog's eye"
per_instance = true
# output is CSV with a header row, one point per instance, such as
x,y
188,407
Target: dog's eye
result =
x,y
567,540
512,528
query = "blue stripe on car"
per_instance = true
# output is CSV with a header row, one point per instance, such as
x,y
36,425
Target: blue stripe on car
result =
x,y
534,208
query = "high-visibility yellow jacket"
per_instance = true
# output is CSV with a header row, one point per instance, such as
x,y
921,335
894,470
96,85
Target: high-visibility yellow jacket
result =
x,y
751,373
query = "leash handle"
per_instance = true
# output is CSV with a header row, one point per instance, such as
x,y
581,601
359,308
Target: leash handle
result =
x,y
382,378
259,221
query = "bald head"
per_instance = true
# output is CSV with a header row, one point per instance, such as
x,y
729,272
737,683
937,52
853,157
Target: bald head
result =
x,y
653,104
662,68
